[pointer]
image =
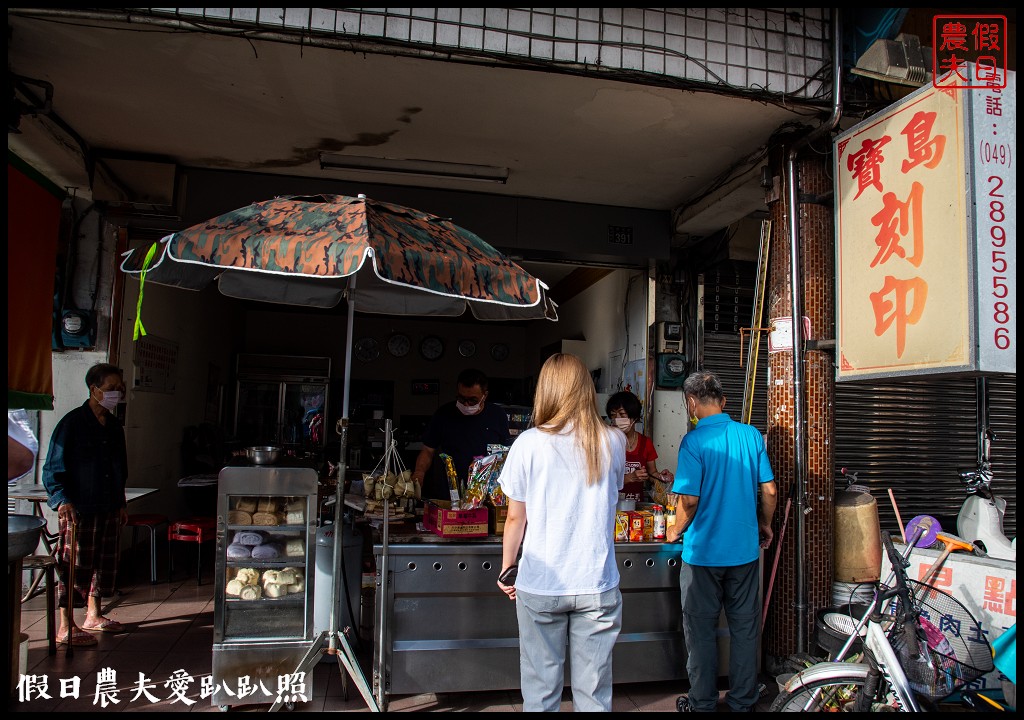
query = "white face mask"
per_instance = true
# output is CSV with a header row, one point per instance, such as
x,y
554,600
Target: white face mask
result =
x,y
469,409
111,399
623,424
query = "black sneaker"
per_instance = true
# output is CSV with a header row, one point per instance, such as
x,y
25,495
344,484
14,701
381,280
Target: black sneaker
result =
x,y
683,704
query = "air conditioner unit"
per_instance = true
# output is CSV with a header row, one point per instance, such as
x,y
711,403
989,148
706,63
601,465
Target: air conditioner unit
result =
x,y
903,61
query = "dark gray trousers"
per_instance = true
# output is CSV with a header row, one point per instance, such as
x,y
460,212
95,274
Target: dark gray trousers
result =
x,y
706,591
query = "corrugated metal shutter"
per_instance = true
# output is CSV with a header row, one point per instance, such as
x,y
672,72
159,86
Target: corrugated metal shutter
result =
x,y
722,357
1002,416
912,436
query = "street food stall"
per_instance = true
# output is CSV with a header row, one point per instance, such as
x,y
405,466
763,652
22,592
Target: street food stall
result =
x,y
442,625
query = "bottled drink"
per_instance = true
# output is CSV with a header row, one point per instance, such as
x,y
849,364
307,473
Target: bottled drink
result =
x,y
659,522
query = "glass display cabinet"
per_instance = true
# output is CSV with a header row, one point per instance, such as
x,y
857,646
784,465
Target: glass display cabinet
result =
x,y
263,606
282,400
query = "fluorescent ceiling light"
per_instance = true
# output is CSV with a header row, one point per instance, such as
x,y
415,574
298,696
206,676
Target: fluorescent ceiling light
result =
x,y
426,168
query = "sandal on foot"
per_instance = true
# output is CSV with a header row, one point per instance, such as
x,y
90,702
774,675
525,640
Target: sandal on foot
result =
x,y
78,639
105,625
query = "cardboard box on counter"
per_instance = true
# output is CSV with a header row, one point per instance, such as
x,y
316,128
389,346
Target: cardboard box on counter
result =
x,y
496,516
440,519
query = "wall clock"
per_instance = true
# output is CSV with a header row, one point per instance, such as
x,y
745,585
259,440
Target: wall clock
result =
x,y
432,347
367,349
467,348
499,351
399,345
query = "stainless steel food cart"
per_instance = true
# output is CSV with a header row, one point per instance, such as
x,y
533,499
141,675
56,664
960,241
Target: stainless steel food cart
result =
x,y
445,626
263,605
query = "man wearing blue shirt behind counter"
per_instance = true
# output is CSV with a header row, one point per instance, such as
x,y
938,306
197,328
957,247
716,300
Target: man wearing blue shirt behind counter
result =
x,y
722,465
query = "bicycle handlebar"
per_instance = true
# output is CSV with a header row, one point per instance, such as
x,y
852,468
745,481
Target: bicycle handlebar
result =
x,y
901,590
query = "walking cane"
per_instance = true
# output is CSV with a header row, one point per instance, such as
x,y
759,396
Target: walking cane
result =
x,y
72,559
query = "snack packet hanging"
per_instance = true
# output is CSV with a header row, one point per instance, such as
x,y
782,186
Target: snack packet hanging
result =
x,y
453,481
494,490
478,481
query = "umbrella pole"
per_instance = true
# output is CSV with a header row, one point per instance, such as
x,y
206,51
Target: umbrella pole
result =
x,y
384,572
339,491
346,658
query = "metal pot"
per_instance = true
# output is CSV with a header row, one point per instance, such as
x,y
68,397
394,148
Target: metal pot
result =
x,y
23,535
263,454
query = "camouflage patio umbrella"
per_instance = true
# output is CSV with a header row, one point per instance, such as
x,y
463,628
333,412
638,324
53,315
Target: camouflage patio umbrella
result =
x,y
309,250
315,250
303,250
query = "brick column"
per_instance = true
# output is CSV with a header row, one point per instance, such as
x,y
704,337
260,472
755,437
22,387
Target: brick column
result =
x,y
814,188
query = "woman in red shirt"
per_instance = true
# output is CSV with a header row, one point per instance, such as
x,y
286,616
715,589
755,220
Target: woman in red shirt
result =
x,y
624,410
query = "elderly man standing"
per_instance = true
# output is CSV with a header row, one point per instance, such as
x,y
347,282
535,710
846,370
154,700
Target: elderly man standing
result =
x,y
722,466
85,474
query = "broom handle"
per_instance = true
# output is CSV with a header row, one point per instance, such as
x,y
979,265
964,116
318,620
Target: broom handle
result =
x,y
775,563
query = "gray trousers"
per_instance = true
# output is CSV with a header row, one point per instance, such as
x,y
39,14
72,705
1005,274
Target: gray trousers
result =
x,y
591,625
705,592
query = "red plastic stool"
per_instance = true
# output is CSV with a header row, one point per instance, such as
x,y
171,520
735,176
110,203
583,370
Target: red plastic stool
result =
x,y
148,521
196,530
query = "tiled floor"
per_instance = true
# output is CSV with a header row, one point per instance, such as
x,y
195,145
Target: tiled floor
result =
x,y
170,628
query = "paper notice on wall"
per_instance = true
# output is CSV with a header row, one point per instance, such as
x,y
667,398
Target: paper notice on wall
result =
x,y
780,339
156,364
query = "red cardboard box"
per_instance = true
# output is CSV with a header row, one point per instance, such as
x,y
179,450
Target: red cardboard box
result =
x,y
440,519
636,526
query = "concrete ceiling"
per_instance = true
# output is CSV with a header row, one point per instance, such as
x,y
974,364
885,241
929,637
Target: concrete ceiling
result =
x,y
211,101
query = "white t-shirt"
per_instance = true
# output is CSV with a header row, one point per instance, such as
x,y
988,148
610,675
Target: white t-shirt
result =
x,y
569,545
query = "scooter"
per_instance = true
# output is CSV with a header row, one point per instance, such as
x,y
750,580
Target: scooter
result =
x,y
980,520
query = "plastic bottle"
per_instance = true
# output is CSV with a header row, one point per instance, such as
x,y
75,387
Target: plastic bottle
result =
x,y
659,522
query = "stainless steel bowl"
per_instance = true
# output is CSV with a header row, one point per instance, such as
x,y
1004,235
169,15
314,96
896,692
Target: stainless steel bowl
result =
x,y
23,535
263,454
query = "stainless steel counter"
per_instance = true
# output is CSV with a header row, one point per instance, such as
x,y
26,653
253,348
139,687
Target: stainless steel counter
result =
x,y
449,629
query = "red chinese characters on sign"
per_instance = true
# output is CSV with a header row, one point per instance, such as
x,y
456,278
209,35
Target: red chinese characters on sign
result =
x,y
906,307
942,579
921,147
895,221
899,302
959,39
1000,598
866,164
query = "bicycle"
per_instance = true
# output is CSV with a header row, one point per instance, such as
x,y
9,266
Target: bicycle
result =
x,y
921,645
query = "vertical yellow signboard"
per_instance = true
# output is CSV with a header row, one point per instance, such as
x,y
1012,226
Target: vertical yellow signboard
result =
x,y
904,261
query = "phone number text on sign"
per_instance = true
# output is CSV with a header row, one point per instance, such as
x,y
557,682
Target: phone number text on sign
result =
x,y
995,123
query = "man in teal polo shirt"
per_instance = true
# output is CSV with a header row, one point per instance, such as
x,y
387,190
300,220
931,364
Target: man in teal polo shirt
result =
x,y
722,465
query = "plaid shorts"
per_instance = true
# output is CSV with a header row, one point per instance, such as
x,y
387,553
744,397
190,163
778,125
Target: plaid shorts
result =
x,y
95,537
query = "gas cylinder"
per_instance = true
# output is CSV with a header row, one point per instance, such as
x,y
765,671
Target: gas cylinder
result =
x,y
858,543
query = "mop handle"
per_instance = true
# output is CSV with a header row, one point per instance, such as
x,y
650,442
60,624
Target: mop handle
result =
x,y
775,564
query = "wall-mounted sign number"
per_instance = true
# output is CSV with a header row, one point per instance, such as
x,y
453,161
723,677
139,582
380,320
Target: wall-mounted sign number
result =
x,y
618,235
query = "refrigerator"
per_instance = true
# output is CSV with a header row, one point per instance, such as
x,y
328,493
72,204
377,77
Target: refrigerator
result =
x,y
264,646
282,400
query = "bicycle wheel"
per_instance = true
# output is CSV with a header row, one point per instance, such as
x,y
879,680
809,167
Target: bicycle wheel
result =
x,y
833,695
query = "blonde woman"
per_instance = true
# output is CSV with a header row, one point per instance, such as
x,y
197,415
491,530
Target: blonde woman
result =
x,y
564,476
